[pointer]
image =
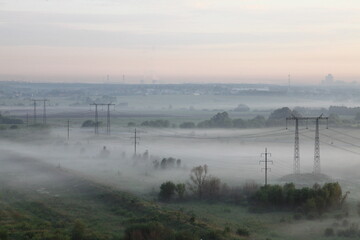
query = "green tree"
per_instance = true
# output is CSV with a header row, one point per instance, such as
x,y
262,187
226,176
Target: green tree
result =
x,y
180,190
167,190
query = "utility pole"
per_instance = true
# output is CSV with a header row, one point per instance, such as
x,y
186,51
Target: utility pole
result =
x,y
135,141
44,109
68,130
297,142
34,111
107,117
96,125
44,113
297,148
266,161
317,167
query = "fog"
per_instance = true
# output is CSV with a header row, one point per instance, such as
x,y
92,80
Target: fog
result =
x,y
231,155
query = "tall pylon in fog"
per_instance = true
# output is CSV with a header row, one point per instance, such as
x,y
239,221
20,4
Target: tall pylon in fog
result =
x,y
97,117
266,160
317,168
44,109
136,142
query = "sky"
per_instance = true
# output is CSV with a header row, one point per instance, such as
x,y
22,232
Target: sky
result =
x,y
168,41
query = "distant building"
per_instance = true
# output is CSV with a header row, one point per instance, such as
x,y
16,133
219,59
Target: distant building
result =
x,y
329,79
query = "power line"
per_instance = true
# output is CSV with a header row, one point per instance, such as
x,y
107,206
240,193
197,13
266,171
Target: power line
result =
x,y
334,146
345,134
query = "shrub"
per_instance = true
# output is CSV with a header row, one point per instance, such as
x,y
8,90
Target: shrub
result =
x,y
153,230
329,232
3,234
156,123
243,231
88,123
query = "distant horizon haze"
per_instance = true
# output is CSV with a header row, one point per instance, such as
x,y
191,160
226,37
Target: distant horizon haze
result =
x,y
233,41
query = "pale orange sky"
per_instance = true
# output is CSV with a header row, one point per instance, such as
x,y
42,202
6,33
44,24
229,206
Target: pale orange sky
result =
x,y
180,41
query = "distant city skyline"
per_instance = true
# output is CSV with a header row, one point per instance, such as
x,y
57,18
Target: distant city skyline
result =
x,y
158,41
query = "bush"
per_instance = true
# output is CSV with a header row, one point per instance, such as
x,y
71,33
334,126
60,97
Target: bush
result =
x,y
329,232
131,124
185,236
3,234
243,231
88,123
156,123
153,230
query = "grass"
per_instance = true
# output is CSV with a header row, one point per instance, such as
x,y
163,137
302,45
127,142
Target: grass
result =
x,y
47,208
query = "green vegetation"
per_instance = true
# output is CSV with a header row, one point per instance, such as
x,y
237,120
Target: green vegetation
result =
x,y
88,123
156,123
167,190
315,200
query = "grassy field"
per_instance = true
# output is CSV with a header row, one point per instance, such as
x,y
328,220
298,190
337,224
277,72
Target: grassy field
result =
x,y
39,201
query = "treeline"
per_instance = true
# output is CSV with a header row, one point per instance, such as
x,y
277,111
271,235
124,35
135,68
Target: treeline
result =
x,y
315,200
156,123
203,186
167,163
276,118
223,120
9,120
306,200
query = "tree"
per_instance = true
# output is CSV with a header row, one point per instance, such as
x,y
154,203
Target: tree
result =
x,y
239,123
88,123
212,187
180,190
167,190
198,178
220,120
278,116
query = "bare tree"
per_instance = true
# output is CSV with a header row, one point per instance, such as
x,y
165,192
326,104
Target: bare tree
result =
x,y
198,177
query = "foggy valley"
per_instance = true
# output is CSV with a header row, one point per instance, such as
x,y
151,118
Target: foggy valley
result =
x,y
66,157
179,120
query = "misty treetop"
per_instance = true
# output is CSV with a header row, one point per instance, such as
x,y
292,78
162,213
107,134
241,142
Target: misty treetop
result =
x,y
223,120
